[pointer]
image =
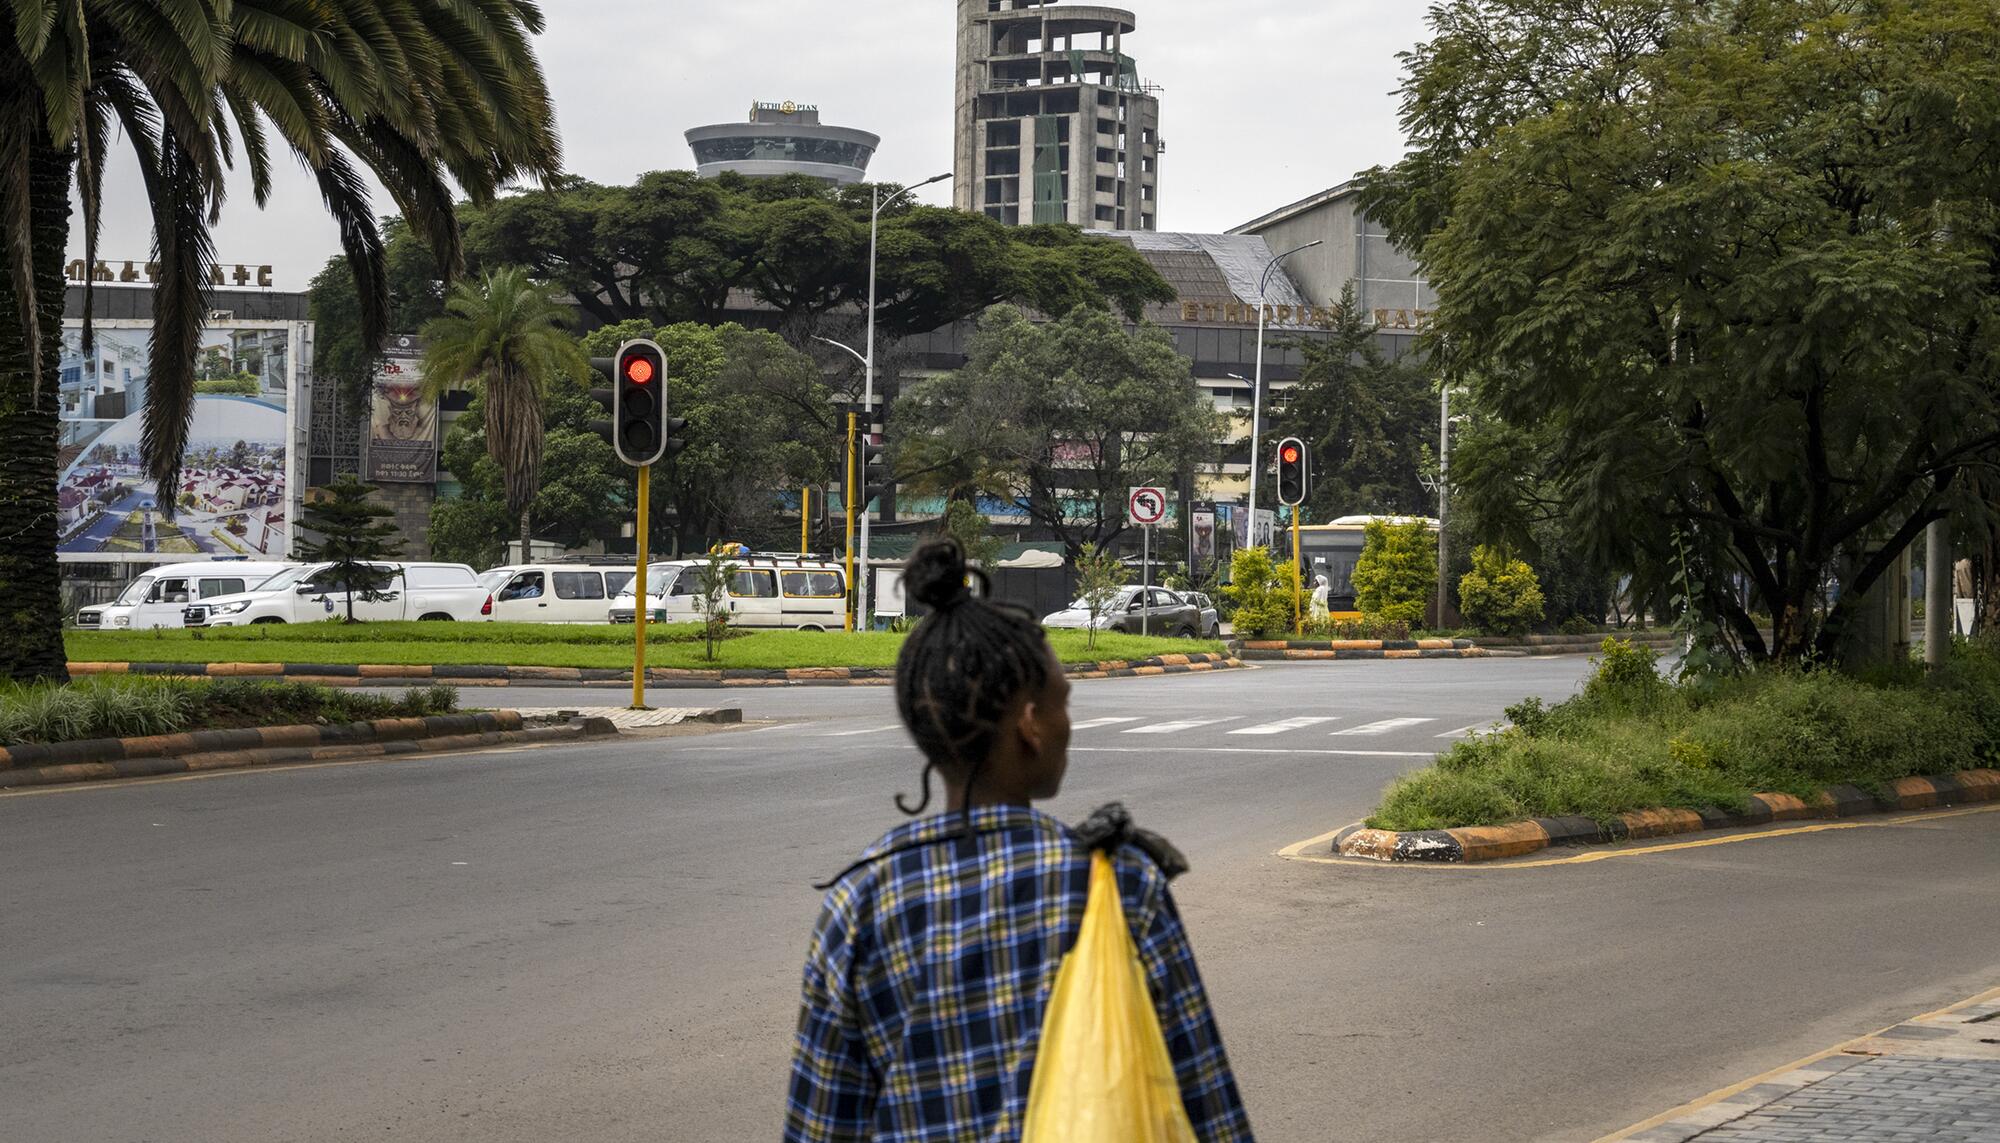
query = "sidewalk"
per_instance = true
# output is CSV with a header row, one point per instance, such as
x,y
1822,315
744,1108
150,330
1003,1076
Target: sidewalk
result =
x,y
1935,1078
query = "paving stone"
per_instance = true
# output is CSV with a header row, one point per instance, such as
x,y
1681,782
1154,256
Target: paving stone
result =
x,y
1885,1100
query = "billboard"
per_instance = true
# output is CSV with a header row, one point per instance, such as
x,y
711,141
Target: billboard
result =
x,y
234,496
402,421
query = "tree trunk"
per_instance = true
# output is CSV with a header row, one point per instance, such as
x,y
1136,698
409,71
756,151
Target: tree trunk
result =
x,y
31,636
527,554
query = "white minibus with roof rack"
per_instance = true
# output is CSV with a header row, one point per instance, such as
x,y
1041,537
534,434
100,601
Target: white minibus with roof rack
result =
x,y
159,596
801,593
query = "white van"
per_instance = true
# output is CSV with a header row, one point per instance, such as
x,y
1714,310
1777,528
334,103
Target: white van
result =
x,y
555,592
308,593
160,595
764,591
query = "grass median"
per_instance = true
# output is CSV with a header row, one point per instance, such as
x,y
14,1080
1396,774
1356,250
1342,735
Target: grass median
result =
x,y
548,645
125,707
1631,740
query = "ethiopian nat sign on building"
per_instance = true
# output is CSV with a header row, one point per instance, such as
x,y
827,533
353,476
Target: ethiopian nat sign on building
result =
x,y
232,498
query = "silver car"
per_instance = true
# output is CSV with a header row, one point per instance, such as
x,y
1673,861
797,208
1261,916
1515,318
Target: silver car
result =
x,y
1211,619
1155,611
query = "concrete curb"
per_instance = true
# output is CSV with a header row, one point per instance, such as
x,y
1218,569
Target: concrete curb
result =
x,y
100,759
1271,650
392,674
1490,843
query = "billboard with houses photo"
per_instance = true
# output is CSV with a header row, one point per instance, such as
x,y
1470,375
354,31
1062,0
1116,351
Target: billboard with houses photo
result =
x,y
233,497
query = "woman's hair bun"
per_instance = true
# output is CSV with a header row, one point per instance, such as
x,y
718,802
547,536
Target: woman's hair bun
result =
x,y
935,575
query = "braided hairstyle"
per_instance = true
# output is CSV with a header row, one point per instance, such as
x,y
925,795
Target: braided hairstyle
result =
x,y
963,668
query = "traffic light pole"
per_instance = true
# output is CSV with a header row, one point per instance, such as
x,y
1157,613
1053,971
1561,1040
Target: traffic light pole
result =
x,y
639,598
805,517
853,420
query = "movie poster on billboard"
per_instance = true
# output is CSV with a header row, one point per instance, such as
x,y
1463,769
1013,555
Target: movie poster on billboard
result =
x,y
233,495
402,420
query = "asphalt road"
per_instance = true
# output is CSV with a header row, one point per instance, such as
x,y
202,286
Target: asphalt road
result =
x,y
602,942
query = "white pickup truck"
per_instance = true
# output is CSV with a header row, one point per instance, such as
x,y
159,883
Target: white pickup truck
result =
x,y
315,592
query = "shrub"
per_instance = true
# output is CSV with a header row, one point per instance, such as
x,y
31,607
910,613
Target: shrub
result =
x,y
1500,594
1261,592
125,707
1396,572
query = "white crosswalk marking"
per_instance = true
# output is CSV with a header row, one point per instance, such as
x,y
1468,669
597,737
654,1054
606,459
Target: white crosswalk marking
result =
x,y
1094,723
868,730
1384,726
1180,725
1464,731
1284,725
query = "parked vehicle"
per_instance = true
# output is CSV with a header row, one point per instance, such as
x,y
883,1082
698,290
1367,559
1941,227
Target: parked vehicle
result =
x,y
764,591
159,596
1136,610
576,592
313,592
1211,618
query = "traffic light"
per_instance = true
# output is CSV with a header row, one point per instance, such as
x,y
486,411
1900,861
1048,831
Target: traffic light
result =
x,y
639,403
876,478
1292,471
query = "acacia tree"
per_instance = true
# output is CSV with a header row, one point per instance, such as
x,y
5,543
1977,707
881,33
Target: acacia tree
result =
x,y
503,338
1729,270
419,95
1061,418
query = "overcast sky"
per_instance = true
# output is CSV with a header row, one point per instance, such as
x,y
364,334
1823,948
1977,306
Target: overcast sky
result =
x,y
1265,101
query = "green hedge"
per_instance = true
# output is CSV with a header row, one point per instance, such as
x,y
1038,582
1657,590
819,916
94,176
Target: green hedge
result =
x,y
123,707
1631,740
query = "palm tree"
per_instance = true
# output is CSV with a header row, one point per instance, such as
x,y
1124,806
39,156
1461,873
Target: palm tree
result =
x,y
423,94
504,339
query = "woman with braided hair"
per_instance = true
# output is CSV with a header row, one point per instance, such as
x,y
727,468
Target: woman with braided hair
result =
x,y
931,965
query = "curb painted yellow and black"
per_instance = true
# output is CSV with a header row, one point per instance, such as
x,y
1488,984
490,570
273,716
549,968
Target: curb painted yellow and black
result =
x,y
1272,650
100,759
464,675
1515,839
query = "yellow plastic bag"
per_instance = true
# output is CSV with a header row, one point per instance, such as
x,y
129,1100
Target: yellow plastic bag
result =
x,y
1102,1074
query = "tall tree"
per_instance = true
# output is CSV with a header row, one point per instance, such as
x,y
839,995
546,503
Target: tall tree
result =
x,y
1060,418
1367,420
1733,267
355,534
414,92
584,494
503,338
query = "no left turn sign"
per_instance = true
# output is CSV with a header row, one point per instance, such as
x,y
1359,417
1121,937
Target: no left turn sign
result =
x,y
1147,505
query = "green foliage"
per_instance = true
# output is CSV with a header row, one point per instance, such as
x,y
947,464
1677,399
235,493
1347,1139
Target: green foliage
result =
x,y
1043,409
1633,740
1261,591
1366,420
712,599
126,707
1099,575
355,535
1500,593
1749,312
1396,574
245,386
584,494
671,247
963,522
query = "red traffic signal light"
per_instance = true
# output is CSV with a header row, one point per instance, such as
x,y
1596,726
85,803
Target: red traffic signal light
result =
x,y
1292,475
639,408
639,369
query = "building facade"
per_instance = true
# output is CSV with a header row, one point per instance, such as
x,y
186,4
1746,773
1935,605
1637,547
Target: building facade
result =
x,y
1052,122
783,139
1354,251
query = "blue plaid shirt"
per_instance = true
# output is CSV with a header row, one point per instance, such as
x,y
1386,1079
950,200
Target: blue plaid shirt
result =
x,y
930,969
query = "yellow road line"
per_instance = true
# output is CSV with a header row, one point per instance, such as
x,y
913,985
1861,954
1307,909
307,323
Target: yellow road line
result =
x,y
1296,851
1720,1094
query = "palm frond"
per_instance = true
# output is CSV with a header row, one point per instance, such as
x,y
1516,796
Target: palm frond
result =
x,y
185,250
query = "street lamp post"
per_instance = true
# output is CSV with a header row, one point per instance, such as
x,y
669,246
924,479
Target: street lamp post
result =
x,y
1257,385
877,203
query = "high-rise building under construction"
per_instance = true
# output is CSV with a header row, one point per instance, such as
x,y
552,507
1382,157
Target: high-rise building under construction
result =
x,y
1052,121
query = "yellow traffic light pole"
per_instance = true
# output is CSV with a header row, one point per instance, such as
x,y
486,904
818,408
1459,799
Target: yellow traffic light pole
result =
x,y
805,517
1298,577
639,599
853,427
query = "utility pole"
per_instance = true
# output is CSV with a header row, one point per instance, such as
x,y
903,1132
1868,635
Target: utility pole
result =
x,y
1937,592
1257,385
1444,493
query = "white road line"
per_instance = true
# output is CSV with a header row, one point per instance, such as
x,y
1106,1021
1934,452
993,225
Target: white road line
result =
x,y
1179,725
1464,731
1094,723
869,730
1384,726
1287,724
1234,750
